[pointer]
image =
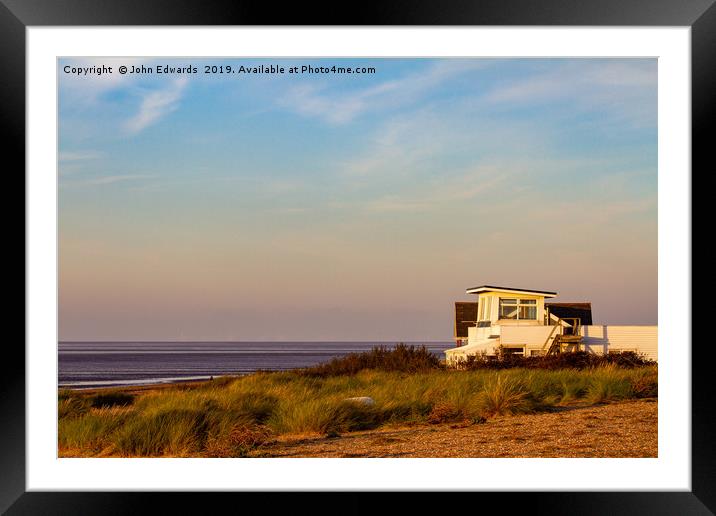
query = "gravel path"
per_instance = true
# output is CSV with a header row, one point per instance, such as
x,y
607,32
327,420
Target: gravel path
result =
x,y
623,429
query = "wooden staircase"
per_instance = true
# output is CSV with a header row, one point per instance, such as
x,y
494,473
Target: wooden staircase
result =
x,y
567,337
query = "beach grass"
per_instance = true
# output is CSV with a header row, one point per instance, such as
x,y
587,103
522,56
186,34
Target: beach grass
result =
x,y
230,417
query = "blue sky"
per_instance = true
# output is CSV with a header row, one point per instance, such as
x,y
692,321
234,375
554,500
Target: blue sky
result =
x,y
359,207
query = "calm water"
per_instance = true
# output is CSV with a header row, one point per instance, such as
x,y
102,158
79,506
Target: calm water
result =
x,y
102,364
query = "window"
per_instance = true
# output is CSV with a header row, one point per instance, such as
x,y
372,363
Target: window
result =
x,y
508,308
485,307
528,309
513,350
522,309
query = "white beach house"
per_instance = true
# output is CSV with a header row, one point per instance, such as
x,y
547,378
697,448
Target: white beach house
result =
x,y
521,321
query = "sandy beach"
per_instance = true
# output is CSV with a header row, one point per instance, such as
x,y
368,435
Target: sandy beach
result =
x,y
622,429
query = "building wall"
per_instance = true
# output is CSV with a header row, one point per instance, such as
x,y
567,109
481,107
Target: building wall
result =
x,y
475,333
597,339
531,336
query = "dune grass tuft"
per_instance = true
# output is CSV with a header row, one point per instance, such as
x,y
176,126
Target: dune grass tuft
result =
x,y
234,417
504,395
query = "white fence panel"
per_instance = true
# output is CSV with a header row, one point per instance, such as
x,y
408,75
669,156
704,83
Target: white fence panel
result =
x,y
642,339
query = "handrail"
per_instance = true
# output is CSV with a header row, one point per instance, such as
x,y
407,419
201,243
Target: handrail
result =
x,y
576,322
555,318
554,327
563,323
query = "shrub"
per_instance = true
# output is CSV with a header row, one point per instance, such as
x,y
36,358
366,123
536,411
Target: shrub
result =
x,y
571,360
241,439
645,383
443,412
409,359
112,399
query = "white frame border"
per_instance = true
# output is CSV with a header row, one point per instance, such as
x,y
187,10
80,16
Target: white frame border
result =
x,y
671,470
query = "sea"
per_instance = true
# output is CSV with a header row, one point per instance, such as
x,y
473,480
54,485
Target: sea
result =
x,y
86,365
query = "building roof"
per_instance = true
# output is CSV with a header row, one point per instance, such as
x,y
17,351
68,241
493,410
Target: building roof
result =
x,y
465,316
581,310
491,288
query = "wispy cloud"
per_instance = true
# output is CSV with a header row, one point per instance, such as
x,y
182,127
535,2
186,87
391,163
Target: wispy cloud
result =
x,y
578,79
339,107
156,104
74,156
622,88
107,180
405,144
439,138
470,185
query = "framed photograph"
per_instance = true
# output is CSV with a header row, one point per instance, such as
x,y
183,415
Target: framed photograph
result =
x,y
427,249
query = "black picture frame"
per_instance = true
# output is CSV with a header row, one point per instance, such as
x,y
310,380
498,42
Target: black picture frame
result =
x,y
17,15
